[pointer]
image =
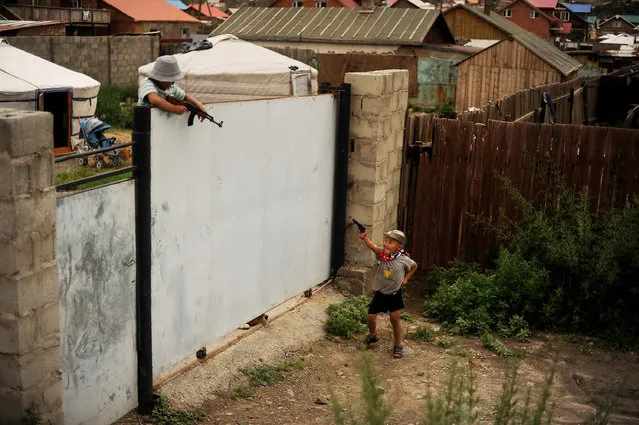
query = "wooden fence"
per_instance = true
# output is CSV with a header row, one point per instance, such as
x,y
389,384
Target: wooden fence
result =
x,y
574,101
452,168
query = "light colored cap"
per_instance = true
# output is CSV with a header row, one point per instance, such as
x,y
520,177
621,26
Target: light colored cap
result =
x,y
398,235
166,69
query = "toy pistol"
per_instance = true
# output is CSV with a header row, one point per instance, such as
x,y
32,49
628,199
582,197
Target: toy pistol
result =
x,y
360,226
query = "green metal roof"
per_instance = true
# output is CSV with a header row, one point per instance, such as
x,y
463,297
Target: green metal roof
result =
x,y
633,19
545,50
387,26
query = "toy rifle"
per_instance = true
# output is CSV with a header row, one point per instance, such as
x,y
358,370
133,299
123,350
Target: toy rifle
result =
x,y
194,110
360,226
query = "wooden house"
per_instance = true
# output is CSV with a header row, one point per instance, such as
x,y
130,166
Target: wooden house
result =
x,y
517,61
315,3
616,25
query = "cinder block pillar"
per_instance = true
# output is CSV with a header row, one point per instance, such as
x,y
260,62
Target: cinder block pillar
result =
x,y
378,107
30,377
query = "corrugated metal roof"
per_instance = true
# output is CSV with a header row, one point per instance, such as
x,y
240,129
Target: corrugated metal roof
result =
x,y
333,25
151,11
204,10
19,25
546,51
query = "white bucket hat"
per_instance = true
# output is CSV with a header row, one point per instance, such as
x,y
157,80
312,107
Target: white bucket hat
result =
x,y
166,69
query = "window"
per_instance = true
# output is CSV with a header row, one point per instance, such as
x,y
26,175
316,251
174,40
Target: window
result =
x,y
534,14
565,16
320,4
616,23
184,33
508,13
298,4
76,4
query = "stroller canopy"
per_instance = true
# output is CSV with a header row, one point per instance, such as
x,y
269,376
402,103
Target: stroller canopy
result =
x,y
24,76
237,70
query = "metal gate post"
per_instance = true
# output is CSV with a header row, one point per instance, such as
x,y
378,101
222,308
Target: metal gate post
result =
x,y
340,187
142,159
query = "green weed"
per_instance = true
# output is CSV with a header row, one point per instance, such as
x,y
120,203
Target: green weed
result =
x,y
348,318
164,414
445,341
496,345
243,392
265,375
407,317
422,333
80,173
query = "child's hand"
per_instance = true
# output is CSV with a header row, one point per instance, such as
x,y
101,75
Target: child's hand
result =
x,y
405,281
363,236
179,109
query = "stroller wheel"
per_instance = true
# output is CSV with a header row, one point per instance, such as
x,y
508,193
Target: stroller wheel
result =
x,y
83,161
99,164
116,161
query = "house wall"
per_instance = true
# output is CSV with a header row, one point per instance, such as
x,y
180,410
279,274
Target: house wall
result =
x,y
110,60
521,16
56,30
339,48
500,70
468,26
608,27
306,3
171,30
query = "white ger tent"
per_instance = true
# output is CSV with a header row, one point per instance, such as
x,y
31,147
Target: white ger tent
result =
x,y
31,83
237,70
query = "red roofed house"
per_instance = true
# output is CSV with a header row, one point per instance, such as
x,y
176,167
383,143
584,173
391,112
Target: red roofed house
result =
x,y
316,3
140,16
206,12
532,18
409,4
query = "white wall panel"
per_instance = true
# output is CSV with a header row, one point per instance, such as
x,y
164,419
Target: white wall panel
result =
x,y
242,216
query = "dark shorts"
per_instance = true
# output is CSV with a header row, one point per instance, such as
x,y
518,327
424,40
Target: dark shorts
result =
x,y
386,303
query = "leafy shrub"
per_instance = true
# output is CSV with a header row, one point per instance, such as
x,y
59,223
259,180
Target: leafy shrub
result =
x,y
445,341
561,267
407,317
115,105
422,333
242,392
348,318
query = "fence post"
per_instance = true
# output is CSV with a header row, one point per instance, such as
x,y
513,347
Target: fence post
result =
x,y
572,104
142,159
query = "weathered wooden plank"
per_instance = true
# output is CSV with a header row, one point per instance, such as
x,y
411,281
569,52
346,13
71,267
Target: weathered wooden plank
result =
x,y
597,166
462,184
470,250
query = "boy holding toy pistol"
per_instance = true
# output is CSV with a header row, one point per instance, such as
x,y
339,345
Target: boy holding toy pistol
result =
x,y
394,271
160,85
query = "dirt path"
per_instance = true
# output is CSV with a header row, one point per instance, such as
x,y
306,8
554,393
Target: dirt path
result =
x,y
584,373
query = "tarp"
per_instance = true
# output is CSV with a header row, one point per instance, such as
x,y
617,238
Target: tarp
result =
x,y
23,76
235,70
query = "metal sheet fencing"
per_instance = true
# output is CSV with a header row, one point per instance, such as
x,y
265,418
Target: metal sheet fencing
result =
x,y
96,263
241,216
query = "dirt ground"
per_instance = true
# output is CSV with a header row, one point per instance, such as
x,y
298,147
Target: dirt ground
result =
x,y
585,373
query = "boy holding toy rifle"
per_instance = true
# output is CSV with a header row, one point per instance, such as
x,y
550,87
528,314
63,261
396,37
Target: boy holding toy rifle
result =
x,y
394,270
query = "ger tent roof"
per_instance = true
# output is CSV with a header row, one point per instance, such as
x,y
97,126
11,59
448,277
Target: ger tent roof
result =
x,y
23,76
234,69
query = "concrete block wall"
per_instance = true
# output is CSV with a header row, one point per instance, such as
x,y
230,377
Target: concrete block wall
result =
x,y
110,60
30,377
378,107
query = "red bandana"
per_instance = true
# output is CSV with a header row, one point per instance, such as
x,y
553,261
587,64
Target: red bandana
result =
x,y
384,257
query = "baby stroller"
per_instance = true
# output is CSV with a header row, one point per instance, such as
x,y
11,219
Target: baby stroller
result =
x,y
92,132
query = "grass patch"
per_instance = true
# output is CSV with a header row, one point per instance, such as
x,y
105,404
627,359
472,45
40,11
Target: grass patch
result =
x,y
243,392
422,333
348,318
406,317
496,345
80,173
265,375
115,105
164,414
